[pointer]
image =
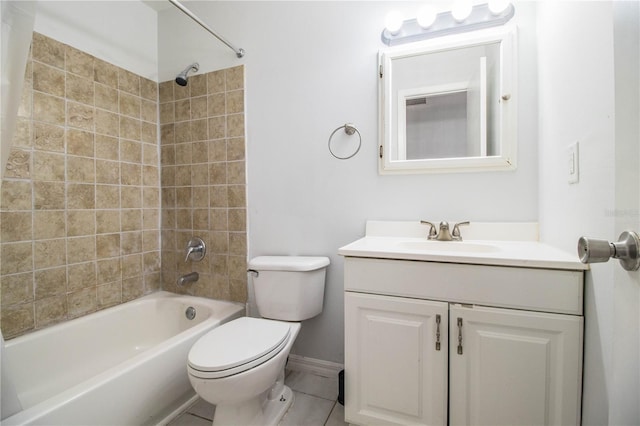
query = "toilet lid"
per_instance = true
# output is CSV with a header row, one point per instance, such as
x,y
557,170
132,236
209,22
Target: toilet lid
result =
x,y
238,342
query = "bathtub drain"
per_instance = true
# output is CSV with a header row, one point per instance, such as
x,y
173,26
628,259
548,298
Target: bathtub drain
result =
x,y
190,313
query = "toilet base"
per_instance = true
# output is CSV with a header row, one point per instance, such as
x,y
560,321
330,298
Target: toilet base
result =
x,y
259,411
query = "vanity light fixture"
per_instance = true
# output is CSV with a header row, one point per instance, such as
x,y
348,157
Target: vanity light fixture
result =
x,y
494,13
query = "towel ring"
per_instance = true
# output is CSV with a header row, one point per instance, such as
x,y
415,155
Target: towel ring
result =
x,y
349,129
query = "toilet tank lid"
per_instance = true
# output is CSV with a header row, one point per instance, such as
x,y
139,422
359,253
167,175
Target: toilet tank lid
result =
x,y
288,263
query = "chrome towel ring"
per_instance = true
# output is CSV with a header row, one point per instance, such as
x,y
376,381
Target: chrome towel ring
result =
x,y
349,129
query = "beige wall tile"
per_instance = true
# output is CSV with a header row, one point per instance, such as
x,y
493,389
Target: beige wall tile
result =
x,y
130,174
50,282
150,155
107,147
49,253
48,195
108,172
82,302
150,176
109,294
47,50
132,288
182,109
235,102
50,310
81,249
238,243
107,197
235,125
17,319
237,220
218,196
80,142
235,149
131,197
109,270
49,224
236,172
181,92
217,127
107,245
79,89
199,107
165,91
130,105
24,133
106,97
81,275
16,195
107,123
16,289
129,128
149,111
149,89
183,131
215,82
81,222
128,82
107,221
16,226
81,169
79,62
149,132
130,151
18,164
48,79
198,84
131,220
131,266
80,196
49,109
48,166
80,116
105,73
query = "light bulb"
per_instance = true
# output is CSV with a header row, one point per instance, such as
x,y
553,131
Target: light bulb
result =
x,y
498,6
461,10
426,16
393,21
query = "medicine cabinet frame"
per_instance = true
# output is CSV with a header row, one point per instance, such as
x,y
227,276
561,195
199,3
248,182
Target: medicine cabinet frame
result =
x,y
392,124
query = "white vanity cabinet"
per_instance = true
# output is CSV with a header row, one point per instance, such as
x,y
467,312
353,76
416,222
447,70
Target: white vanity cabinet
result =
x,y
510,343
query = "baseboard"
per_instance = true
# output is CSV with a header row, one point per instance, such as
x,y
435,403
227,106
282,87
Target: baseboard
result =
x,y
315,366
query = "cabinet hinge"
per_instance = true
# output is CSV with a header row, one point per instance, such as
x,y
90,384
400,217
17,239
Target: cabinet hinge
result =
x,y
459,336
437,332
381,151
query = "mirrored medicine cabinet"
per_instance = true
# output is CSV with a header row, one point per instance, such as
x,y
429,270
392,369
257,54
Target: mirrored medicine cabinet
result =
x,y
449,104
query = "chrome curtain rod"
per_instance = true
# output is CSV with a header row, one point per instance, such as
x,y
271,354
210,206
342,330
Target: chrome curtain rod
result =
x,y
176,3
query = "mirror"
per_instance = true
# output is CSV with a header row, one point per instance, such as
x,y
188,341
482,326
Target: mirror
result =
x,y
449,104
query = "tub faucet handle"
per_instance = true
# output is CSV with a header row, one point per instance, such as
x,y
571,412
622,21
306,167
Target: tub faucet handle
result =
x,y
196,249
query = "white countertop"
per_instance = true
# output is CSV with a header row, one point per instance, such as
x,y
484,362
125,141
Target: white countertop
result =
x,y
407,240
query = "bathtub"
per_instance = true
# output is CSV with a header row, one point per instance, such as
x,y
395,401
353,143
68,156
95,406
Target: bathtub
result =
x,y
126,365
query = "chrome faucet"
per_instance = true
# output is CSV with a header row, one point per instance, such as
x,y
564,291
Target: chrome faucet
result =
x,y
443,233
188,278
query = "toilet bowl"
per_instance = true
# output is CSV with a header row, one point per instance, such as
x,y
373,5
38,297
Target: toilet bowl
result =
x,y
239,366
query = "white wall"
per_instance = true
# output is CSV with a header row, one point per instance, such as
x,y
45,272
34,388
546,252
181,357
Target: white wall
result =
x,y
124,33
311,67
590,95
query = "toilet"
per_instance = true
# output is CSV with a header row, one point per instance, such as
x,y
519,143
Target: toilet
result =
x,y
239,366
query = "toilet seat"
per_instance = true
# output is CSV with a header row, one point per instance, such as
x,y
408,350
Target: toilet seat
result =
x,y
237,346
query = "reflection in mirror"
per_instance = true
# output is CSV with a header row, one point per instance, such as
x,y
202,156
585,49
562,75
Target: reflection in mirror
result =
x,y
443,107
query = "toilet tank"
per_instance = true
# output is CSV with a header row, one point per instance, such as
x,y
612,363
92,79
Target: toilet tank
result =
x,y
289,288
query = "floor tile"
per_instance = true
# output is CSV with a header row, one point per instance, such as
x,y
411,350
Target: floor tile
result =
x,y
202,409
311,384
307,410
187,419
337,416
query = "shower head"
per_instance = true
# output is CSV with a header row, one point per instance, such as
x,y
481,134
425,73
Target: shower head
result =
x,y
182,78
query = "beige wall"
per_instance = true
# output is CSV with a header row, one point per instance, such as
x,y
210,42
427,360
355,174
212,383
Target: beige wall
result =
x,y
203,182
80,204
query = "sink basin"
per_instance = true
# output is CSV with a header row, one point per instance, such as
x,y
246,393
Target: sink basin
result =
x,y
448,246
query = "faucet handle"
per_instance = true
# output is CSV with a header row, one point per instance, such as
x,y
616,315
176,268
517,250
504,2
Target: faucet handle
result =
x,y
196,249
456,230
432,229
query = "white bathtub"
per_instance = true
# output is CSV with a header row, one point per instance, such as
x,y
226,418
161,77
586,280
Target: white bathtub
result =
x,y
126,365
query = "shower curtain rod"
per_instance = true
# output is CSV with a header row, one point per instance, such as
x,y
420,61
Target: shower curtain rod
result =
x,y
176,3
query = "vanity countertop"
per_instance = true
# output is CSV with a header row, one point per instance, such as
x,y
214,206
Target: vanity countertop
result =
x,y
514,246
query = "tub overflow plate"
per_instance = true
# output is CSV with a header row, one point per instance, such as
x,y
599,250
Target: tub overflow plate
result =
x,y
190,313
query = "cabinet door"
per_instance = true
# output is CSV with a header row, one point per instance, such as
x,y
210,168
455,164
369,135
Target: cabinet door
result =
x,y
510,367
394,372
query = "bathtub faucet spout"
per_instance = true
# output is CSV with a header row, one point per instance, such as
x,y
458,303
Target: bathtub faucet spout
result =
x,y
188,278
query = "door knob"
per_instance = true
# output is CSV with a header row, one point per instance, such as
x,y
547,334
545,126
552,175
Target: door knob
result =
x,y
626,249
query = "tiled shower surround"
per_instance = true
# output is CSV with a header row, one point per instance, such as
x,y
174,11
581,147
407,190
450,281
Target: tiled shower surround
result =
x,y
202,149
80,221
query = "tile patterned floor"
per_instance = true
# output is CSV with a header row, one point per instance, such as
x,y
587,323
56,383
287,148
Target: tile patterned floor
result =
x,y
315,404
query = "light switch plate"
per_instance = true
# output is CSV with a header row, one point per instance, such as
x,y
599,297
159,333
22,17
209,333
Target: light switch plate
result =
x,y
573,170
